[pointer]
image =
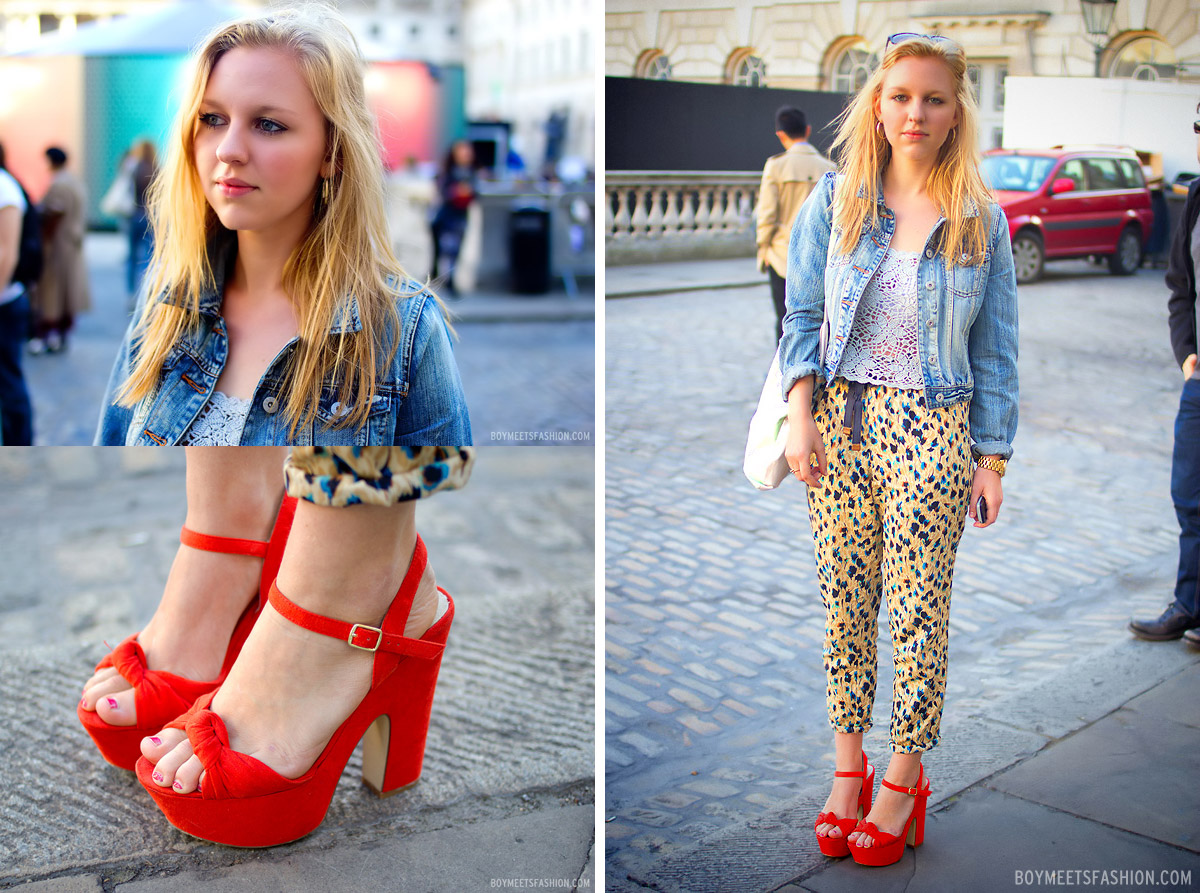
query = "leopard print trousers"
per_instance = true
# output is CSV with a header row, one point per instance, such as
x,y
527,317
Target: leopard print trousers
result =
x,y
886,522
341,476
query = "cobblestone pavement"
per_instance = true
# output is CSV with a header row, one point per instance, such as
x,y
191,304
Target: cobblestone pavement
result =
x,y
714,685
522,378
89,537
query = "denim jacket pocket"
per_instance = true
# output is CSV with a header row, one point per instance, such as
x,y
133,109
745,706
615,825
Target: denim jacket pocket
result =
x,y
330,410
966,282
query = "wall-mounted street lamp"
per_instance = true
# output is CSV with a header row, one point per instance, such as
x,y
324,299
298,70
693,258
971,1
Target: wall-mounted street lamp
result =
x,y
1097,18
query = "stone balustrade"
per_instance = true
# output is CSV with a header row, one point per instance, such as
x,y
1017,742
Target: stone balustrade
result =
x,y
653,216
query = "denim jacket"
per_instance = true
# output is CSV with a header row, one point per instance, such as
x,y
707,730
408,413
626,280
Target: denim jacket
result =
x,y
418,401
967,315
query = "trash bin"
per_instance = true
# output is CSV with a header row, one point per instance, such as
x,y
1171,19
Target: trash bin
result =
x,y
529,250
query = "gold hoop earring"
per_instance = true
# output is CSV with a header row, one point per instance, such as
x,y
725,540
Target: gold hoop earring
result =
x,y
325,191
879,130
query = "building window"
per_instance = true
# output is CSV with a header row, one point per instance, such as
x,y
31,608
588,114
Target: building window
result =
x,y
852,69
1001,77
653,65
975,76
744,69
1144,59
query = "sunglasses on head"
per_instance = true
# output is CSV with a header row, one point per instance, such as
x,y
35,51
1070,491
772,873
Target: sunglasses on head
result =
x,y
1196,126
905,36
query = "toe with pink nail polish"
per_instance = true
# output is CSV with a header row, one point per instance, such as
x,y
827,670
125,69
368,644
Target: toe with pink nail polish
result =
x,y
112,703
156,741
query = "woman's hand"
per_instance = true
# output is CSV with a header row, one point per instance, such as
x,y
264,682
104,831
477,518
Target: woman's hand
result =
x,y
1189,366
804,440
986,483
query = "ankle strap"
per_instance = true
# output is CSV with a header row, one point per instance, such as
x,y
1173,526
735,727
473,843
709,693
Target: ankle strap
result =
x,y
360,635
225,544
920,790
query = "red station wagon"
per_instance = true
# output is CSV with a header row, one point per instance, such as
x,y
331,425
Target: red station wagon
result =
x,y
1071,202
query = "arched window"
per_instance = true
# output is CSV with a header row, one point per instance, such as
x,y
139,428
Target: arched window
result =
x,y
1144,58
652,64
744,69
853,63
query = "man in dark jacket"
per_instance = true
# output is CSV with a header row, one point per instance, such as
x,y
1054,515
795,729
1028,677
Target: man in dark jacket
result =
x,y
1182,616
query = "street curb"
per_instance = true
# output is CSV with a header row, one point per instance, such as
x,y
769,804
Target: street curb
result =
x,y
677,289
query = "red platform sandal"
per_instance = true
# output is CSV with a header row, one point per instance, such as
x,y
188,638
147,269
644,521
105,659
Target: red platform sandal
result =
x,y
887,848
243,802
838,846
160,697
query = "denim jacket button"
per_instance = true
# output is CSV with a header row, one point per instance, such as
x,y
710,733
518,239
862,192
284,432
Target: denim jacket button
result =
x,y
270,405
929,285
929,252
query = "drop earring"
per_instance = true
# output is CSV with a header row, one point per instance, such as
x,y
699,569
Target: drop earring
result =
x,y
325,191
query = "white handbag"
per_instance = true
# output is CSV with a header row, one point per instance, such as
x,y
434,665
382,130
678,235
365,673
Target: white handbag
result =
x,y
764,464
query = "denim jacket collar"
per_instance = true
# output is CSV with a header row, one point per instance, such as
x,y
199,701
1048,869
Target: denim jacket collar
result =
x,y
222,251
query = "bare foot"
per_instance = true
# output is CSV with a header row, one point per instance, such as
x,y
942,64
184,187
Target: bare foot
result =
x,y
889,812
842,802
286,695
206,593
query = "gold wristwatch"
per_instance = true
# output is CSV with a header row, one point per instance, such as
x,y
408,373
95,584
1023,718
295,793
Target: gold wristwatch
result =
x,y
992,463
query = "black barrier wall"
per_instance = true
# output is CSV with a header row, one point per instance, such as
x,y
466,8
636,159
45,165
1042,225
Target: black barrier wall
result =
x,y
676,126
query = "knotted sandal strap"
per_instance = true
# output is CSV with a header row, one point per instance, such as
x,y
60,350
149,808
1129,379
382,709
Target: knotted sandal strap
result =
x,y
225,544
881,838
828,818
165,691
361,635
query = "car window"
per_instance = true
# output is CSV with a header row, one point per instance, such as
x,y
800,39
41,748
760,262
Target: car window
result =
x,y
1016,173
1104,173
1133,173
1073,171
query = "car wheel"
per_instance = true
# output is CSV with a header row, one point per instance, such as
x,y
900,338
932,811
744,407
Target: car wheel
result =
x,y
1128,256
1028,257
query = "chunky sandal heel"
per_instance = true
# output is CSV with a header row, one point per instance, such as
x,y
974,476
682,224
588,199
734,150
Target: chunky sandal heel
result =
x,y
159,697
887,849
244,802
837,846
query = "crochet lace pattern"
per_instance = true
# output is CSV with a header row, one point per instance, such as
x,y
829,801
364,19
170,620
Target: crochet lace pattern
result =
x,y
220,422
883,343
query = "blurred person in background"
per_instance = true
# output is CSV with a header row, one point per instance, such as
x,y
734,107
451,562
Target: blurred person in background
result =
x,y
63,288
16,412
1182,617
787,180
141,236
456,187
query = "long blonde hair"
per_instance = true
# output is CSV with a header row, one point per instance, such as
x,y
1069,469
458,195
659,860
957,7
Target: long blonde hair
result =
x,y
864,153
346,251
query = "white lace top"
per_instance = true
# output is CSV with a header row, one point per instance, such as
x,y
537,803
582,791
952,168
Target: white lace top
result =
x,y
883,343
220,422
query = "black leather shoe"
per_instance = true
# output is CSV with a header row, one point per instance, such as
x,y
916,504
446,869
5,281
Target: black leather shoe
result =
x,y
1192,637
1173,623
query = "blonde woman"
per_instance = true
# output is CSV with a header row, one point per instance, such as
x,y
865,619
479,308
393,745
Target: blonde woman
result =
x,y
899,358
274,310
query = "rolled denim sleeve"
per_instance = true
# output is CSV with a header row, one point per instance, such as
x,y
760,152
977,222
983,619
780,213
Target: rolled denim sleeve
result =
x,y
992,351
808,248
434,412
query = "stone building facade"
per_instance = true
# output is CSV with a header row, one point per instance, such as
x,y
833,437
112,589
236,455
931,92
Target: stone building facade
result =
x,y
834,45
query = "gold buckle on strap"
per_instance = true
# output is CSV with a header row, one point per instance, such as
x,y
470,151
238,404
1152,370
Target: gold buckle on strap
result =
x,y
364,630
